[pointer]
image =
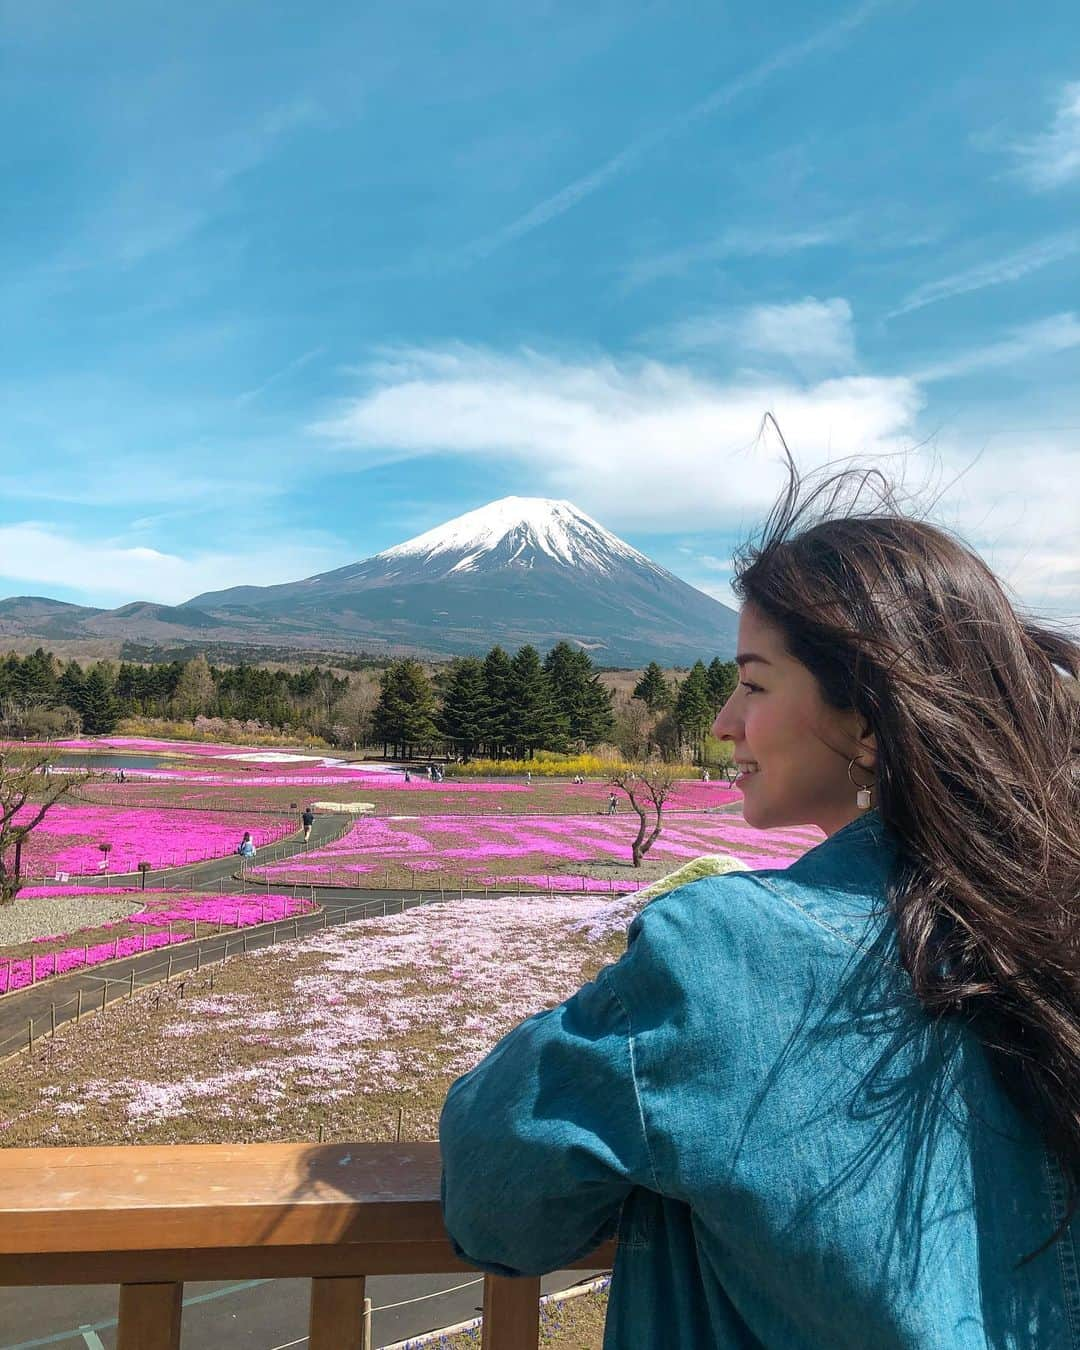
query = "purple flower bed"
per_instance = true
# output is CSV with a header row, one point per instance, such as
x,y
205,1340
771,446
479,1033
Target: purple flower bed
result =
x,y
67,839
165,908
451,843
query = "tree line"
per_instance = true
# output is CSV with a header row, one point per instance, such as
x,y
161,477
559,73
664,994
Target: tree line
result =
x,y
500,706
42,696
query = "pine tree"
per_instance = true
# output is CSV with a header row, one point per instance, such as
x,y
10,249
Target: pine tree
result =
x,y
723,677
405,713
693,707
99,708
535,721
653,690
495,719
462,715
69,687
579,695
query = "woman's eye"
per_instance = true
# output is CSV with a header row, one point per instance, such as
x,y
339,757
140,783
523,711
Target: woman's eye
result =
x,y
750,688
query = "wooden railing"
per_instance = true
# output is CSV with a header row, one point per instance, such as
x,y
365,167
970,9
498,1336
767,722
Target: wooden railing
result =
x,y
149,1218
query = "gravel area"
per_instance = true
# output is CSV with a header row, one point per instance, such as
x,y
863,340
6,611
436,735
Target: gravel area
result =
x,y
43,916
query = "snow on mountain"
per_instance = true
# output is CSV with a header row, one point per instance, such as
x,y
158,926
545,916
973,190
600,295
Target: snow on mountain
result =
x,y
515,529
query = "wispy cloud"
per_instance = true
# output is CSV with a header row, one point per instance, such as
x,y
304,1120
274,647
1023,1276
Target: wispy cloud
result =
x,y
736,242
39,554
1052,158
1045,337
996,272
784,59
816,337
641,442
249,395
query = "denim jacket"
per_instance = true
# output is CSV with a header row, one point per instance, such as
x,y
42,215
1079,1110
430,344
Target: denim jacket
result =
x,y
792,1154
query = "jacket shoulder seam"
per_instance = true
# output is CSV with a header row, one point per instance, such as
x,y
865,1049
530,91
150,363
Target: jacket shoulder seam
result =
x,y
824,924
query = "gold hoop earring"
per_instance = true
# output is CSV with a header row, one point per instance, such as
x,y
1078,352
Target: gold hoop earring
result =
x,y
863,798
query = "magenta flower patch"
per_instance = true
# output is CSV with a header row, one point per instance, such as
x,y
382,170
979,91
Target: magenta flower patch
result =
x,y
69,838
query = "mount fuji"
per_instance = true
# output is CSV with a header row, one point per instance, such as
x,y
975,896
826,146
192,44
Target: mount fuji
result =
x,y
521,569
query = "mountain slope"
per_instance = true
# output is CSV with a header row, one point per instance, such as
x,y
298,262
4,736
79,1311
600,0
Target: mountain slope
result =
x,y
522,569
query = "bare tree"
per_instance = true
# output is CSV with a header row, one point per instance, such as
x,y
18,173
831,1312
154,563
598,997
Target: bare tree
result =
x,y
26,780
648,786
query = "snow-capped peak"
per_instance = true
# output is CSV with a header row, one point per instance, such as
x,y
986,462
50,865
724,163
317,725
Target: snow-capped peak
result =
x,y
555,528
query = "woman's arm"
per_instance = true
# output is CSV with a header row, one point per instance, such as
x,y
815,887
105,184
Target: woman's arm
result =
x,y
543,1140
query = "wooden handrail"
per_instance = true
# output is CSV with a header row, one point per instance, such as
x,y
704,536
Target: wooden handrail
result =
x,y
150,1218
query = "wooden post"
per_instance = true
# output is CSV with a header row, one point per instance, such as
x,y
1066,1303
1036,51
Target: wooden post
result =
x,y
149,1317
337,1316
78,1006
86,954
104,994
52,1018
30,1033
33,968
168,970
511,1313
131,990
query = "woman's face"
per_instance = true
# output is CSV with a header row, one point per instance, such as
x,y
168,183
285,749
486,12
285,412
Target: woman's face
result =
x,y
782,724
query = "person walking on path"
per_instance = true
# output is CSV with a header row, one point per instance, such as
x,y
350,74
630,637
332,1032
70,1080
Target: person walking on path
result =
x,y
832,1106
246,849
307,820
612,804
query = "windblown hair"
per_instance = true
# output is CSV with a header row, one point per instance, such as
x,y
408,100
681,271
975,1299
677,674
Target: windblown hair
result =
x,y
976,714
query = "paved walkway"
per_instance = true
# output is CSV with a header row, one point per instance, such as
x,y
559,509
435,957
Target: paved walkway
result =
x,y
28,1014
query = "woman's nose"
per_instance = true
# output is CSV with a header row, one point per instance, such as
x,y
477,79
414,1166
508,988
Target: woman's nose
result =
x,y
722,727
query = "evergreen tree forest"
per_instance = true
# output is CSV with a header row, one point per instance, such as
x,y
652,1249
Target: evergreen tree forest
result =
x,y
498,706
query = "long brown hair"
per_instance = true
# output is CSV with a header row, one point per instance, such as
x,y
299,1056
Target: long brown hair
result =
x,y
976,716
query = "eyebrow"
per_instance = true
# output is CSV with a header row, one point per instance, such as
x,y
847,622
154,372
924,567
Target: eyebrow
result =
x,y
744,659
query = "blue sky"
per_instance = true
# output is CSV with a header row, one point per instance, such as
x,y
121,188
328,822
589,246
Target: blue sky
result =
x,y
284,285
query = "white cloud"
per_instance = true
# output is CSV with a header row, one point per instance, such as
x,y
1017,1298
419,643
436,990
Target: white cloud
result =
x,y
1045,337
37,554
995,272
642,442
815,337
1052,159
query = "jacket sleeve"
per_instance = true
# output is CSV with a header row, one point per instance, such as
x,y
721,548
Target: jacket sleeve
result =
x,y
543,1140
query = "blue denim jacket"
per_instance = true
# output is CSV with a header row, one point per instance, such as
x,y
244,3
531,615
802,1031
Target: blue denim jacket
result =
x,y
793,1154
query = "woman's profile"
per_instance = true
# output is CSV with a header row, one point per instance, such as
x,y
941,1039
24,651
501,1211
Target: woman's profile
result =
x,y
834,1105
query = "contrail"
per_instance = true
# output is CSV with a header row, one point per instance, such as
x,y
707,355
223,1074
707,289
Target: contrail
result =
x,y
589,183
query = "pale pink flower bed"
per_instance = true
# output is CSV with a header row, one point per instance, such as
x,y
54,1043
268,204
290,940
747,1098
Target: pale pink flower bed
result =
x,y
67,839
489,847
334,1014
164,909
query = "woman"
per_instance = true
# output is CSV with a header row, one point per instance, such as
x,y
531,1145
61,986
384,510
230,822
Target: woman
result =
x,y
838,1105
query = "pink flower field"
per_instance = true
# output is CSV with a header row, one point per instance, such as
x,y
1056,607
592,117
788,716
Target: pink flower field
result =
x,y
67,839
490,848
169,917
397,1006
